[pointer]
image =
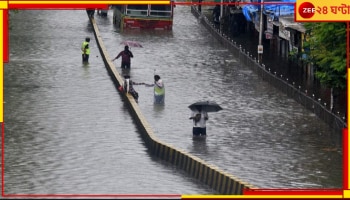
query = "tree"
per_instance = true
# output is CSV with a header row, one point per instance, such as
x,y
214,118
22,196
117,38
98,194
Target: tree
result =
x,y
326,43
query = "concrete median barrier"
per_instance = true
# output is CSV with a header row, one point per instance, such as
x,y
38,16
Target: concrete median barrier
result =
x,y
216,179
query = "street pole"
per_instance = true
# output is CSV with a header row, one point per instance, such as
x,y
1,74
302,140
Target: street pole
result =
x,y
221,14
200,6
260,46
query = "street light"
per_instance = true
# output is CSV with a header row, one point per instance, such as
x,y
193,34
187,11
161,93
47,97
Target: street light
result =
x,y
260,46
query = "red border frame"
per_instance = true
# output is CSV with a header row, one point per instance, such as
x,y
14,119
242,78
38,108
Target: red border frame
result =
x,y
251,192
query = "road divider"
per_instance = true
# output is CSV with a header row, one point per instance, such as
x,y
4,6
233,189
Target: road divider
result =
x,y
221,182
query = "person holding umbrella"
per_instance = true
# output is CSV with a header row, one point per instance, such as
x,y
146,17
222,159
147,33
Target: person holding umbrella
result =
x,y
199,117
126,57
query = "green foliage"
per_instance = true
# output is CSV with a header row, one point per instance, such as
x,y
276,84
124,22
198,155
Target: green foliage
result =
x,y
293,54
12,12
327,45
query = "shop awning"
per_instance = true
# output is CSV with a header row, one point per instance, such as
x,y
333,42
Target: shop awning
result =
x,y
288,23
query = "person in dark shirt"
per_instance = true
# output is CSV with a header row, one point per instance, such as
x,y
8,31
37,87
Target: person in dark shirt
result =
x,y
216,14
126,57
90,12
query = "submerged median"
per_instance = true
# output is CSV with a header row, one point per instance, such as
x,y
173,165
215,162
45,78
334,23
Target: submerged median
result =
x,y
220,181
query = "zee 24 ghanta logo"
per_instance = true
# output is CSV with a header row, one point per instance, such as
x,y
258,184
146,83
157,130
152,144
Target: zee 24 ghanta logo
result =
x,y
306,10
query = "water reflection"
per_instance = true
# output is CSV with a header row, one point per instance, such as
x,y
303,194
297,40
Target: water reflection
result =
x,y
199,145
158,110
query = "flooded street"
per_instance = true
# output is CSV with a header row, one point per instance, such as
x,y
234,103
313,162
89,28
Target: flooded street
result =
x,y
262,136
67,129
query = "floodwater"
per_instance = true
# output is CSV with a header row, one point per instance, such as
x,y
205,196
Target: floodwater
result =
x,y
68,131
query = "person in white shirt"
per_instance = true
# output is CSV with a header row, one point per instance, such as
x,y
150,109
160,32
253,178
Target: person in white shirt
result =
x,y
159,89
128,87
199,118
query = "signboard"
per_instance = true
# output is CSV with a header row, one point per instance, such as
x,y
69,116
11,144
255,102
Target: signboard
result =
x,y
260,49
268,35
283,33
269,30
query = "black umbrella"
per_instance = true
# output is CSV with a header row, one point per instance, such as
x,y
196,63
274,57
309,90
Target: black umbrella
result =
x,y
208,106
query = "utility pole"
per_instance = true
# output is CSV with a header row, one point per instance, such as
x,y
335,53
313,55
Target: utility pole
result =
x,y
221,14
200,6
260,46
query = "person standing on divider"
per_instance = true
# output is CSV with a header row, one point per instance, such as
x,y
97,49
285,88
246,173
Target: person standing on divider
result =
x,y
126,57
85,50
